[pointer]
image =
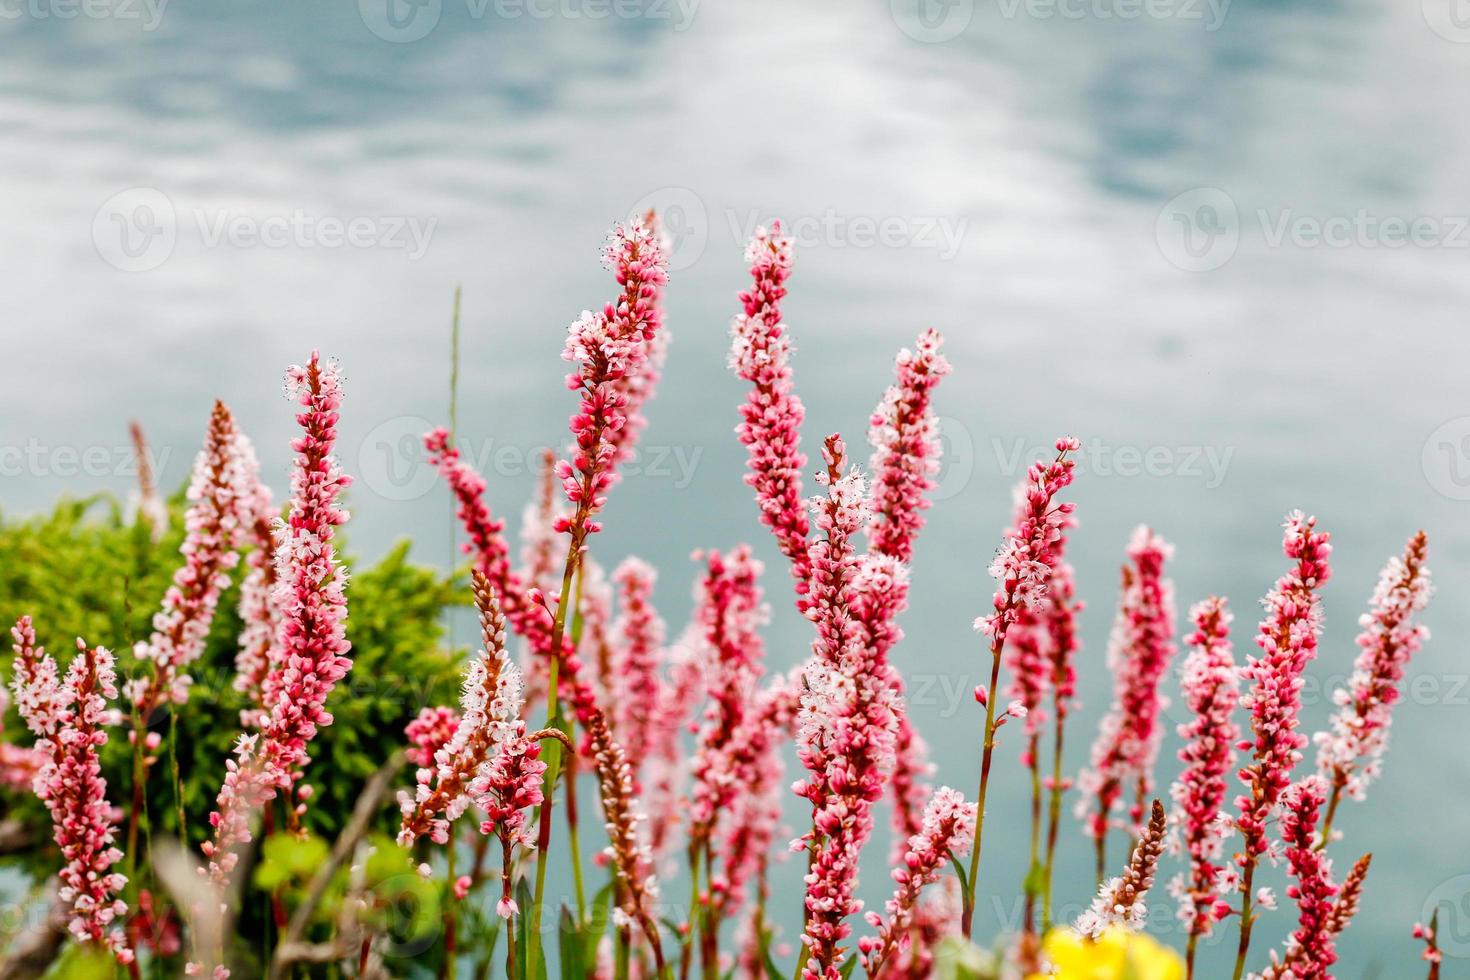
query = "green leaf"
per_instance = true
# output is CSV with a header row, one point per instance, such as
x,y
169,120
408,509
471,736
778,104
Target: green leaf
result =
x,y
849,966
1035,879
596,927
773,972
572,946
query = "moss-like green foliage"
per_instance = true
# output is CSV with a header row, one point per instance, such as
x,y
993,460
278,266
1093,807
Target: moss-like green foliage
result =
x,y
84,570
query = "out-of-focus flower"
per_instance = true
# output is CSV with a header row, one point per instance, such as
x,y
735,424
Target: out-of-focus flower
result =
x,y
1118,954
1351,754
1139,654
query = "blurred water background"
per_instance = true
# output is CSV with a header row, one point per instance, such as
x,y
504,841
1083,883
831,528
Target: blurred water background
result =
x,y
1223,244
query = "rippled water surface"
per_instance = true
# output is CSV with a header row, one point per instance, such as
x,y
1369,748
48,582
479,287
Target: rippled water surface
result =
x,y
1111,218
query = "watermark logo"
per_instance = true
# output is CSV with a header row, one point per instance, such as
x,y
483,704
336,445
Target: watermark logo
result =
x,y
406,21
148,13
683,220
1450,19
1451,899
135,230
1199,230
943,234
932,21
1445,459
400,21
1210,13
391,461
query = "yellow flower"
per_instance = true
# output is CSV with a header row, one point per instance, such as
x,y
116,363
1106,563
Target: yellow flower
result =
x,y
1118,955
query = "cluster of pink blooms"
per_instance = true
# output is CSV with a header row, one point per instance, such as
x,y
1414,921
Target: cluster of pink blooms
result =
x,y
429,731
1288,641
771,416
1432,954
1310,948
458,748
1029,554
611,351
947,829
18,765
212,524
1351,754
261,620
732,613
903,432
635,698
1211,690
148,505
1139,654
313,608
848,718
634,664
70,717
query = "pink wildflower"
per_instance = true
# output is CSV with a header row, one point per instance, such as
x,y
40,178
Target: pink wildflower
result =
x,y
1024,566
771,417
1432,954
310,594
149,506
847,721
506,788
732,612
1351,755
1288,641
429,731
1211,690
904,434
665,763
949,825
911,772
1139,653
40,697
490,705
607,349
1310,950
638,636
212,525
257,655
71,785
637,254
755,812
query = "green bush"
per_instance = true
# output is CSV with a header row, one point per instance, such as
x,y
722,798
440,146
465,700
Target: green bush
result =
x,y
84,571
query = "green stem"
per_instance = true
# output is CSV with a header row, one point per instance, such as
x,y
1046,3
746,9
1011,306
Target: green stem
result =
x,y
1247,917
1054,819
553,767
985,759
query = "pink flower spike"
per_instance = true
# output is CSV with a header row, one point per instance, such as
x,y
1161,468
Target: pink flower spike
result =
x,y
610,352
258,653
311,596
1310,950
1288,641
904,434
1211,690
948,826
771,417
637,637
1139,654
1351,754
214,525
71,784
